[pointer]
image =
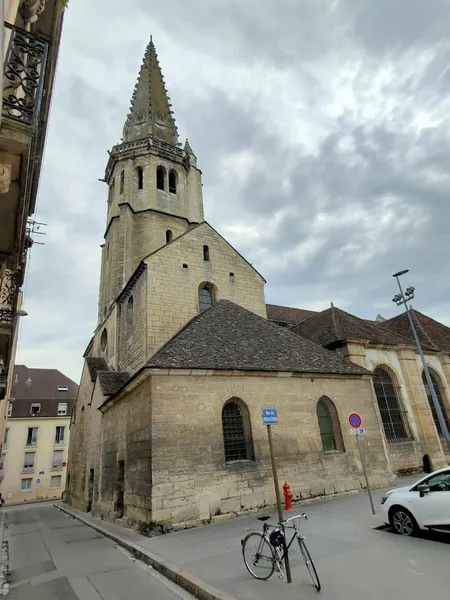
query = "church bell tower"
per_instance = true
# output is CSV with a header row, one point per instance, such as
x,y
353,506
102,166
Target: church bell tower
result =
x,y
155,188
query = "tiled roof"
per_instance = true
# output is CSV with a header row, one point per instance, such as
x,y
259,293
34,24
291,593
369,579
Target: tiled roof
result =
x,y
333,325
40,385
112,381
228,337
432,334
94,365
287,314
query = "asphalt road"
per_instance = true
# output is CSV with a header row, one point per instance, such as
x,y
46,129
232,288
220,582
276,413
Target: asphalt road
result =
x,y
54,557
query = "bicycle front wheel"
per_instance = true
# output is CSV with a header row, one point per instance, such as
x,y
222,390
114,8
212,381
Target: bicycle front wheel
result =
x,y
258,555
309,564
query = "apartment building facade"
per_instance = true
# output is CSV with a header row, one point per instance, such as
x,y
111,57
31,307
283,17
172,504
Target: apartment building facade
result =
x,y
33,461
30,40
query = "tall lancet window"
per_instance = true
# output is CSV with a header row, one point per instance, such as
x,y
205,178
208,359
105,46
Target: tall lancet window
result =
x,y
122,181
161,178
173,182
140,178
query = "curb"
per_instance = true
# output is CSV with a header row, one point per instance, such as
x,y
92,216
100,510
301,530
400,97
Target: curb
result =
x,y
190,583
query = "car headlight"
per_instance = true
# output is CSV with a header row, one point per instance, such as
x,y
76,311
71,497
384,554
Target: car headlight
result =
x,y
385,497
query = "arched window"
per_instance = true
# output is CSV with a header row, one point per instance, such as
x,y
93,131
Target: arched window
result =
x,y
161,178
206,253
389,405
169,236
439,393
130,314
237,433
104,341
122,181
173,182
330,428
140,177
205,296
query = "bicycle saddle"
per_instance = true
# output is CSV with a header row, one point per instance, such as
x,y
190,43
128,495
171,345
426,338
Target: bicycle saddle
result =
x,y
263,518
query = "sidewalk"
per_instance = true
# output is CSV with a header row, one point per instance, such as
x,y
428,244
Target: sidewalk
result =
x,y
352,558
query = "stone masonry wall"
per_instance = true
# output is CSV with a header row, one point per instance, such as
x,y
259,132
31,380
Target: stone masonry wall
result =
x,y
79,443
173,289
133,328
126,435
192,481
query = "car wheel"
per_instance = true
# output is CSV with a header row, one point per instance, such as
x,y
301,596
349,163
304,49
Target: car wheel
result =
x,y
402,521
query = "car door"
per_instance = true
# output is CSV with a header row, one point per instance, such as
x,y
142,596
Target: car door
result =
x,y
433,508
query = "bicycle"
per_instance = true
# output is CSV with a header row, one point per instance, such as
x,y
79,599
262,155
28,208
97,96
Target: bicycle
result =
x,y
271,549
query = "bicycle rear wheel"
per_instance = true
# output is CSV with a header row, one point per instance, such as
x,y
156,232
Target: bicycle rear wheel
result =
x,y
258,555
309,563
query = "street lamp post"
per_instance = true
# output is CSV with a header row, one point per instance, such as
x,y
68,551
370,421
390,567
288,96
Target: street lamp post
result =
x,y
403,298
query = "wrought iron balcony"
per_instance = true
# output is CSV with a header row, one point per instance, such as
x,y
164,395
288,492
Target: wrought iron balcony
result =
x,y
9,289
24,74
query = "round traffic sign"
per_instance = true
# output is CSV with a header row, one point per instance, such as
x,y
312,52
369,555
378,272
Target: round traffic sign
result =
x,y
38,481
64,464
355,420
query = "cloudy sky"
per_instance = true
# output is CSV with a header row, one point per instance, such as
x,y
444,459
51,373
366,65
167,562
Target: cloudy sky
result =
x,y
322,129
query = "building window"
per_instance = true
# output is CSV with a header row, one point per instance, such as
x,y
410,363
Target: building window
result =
x,y
57,460
237,434
330,428
130,314
59,435
62,409
2,463
10,407
55,482
6,437
32,436
389,405
161,178
438,391
63,388
205,296
104,341
173,182
140,177
35,409
206,253
122,182
26,485
169,236
28,462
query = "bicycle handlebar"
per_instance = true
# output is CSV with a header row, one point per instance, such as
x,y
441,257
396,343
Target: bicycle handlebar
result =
x,y
302,516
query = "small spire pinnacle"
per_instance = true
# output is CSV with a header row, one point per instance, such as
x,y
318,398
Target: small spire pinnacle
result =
x,y
187,147
150,111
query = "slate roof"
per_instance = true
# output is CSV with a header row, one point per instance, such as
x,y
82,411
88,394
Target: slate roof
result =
x,y
432,334
40,385
287,314
112,381
229,337
335,325
94,365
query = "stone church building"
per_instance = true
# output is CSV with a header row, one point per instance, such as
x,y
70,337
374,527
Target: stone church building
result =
x,y
167,428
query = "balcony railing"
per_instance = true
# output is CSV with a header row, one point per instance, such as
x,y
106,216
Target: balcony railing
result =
x,y
24,73
9,289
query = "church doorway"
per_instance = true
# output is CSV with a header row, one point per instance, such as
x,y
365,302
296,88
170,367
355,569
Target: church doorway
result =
x,y
120,488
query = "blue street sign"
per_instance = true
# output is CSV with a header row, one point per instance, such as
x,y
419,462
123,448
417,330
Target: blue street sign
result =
x,y
270,416
41,472
38,481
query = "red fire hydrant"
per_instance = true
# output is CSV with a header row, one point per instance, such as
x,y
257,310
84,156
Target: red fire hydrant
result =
x,y
287,495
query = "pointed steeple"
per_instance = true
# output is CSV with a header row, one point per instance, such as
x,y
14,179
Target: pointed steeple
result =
x,y
150,110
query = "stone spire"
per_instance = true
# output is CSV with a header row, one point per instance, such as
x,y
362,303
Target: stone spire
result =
x,y
150,110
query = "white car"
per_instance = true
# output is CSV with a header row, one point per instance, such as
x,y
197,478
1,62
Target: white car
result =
x,y
423,505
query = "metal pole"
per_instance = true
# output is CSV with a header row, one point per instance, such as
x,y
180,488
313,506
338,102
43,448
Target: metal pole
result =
x,y
437,406
278,497
365,474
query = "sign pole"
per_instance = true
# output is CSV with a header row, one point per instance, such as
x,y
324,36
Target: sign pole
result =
x,y
365,473
278,497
